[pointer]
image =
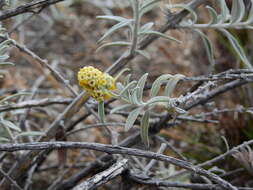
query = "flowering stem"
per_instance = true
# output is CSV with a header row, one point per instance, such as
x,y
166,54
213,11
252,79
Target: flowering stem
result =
x,y
101,111
136,27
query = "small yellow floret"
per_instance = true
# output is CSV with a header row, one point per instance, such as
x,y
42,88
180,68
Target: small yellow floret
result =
x,y
96,83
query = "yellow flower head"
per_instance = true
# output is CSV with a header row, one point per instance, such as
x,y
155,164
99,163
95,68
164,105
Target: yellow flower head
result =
x,y
96,83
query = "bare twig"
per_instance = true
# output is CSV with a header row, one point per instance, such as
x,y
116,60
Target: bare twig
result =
x,y
10,179
32,7
103,177
161,183
152,162
171,147
35,103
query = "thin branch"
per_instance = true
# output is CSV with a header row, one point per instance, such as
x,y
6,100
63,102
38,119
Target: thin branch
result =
x,y
93,126
118,150
171,147
163,183
218,158
43,63
152,162
35,103
10,179
208,96
136,27
28,8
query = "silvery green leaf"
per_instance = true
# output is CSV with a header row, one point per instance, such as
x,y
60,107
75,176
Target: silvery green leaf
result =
x,y
147,26
134,97
110,44
132,117
121,107
31,133
158,99
208,46
115,18
129,86
171,84
225,15
14,96
180,110
141,85
4,57
148,32
127,79
144,54
6,64
250,16
184,6
213,14
3,139
147,6
122,71
144,129
101,111
4,45
10,125
157,84
114,28
132,3
119,86
237,47
238,11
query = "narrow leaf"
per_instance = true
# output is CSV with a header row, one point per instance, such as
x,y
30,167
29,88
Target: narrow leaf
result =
x,y
238,11
129,86
225,15
213,14
6,64
157,84
14,96
115,18
127,79
144,130
186,7
141,85
238,48
114,28
31,133
250,16
132,117
160,35
159,99
10,125
144,54
170,86
208,46
3,139
146,26
147,6
110,44
134,97
121,107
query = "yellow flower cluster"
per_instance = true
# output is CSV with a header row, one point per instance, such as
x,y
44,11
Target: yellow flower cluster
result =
x,y
96,83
